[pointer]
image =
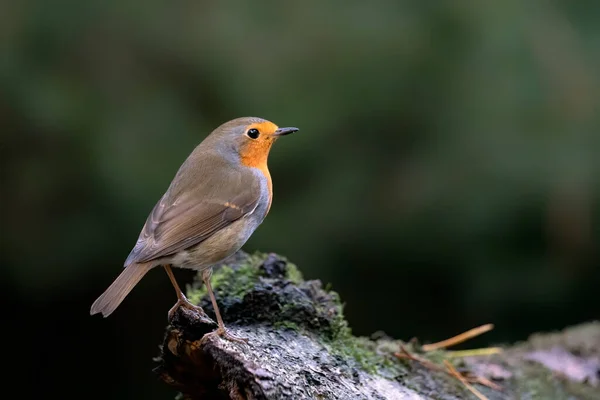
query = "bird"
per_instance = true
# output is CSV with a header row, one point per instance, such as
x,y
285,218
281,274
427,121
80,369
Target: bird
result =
x,y
219,196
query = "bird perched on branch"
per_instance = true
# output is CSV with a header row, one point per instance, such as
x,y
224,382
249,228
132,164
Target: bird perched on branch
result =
x,y
219,196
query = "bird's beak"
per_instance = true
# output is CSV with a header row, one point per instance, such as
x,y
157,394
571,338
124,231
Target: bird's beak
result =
x,y
285,131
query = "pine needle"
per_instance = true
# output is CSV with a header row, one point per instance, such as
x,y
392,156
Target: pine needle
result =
x,y
448,368
426,363
486,351
458,338
461,378
486,382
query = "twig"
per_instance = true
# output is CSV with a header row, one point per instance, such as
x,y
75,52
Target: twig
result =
x,y
458,338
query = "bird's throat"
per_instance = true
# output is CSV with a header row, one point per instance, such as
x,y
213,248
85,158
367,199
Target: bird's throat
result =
x,y
255,155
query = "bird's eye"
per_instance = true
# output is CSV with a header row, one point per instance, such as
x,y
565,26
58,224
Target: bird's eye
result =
x,y
253,133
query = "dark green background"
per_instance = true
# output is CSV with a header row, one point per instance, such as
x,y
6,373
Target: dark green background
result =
x,y
446,174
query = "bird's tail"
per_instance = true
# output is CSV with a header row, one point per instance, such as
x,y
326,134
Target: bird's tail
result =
x,y
116,292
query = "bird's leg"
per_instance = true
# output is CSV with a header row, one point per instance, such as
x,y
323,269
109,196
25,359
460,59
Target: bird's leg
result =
x,y
182,301
220,331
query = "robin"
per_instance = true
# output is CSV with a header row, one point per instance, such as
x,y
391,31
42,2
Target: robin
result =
x,y
219,196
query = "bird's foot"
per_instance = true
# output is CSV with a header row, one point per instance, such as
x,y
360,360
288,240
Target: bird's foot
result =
x,y
222,332
196,310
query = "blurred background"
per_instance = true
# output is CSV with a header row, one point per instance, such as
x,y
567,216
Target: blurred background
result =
x,y
447,172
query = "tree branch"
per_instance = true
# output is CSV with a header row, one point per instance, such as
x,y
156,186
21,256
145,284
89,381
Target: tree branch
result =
x,y
300,347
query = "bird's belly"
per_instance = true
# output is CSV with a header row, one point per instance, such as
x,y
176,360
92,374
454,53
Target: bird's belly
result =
x,y
217,247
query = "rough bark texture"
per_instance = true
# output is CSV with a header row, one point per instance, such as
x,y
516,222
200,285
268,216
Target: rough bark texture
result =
x,y
300,347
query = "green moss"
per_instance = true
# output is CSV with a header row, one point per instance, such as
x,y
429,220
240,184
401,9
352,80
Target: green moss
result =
x,y
360,350
339,326
235,283
341,341
195,295
287,324
293,273
232,282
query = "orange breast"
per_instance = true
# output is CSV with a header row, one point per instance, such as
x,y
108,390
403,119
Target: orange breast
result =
x,y
265,171
255,154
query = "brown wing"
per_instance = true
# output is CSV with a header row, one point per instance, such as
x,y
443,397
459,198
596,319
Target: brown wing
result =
x,y
182,220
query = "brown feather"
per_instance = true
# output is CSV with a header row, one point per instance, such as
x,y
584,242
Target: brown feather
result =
x,y
119,289
182,219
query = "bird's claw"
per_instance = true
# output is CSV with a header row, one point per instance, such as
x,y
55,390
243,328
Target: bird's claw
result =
x,y
196,310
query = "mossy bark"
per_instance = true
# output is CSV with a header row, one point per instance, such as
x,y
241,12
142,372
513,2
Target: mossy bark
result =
x,y
300,347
